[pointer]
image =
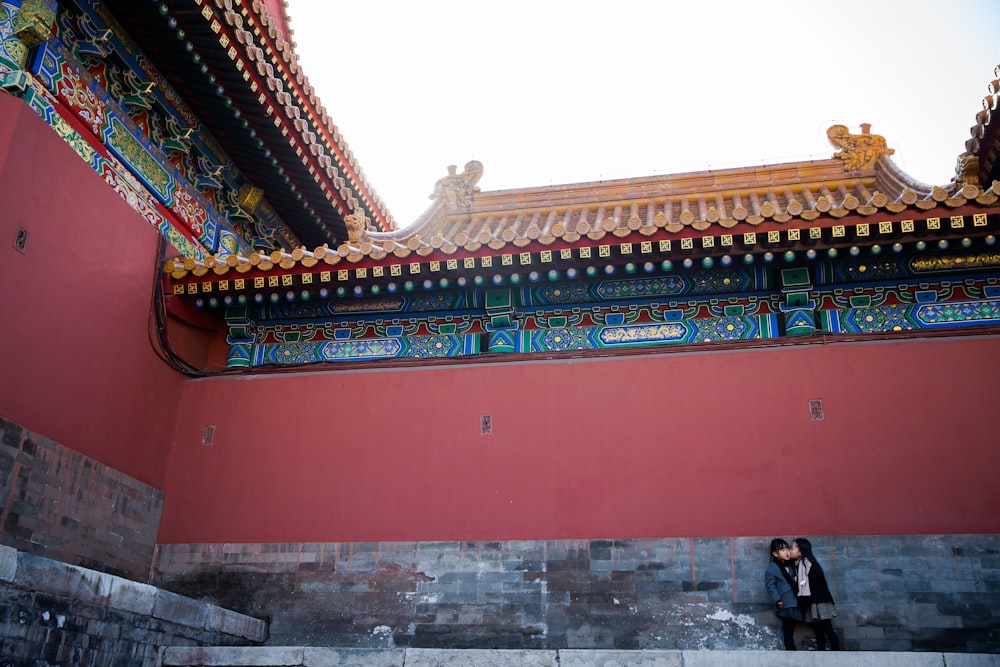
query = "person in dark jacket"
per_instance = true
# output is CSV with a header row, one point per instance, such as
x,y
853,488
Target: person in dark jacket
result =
x,y
779,579
815,599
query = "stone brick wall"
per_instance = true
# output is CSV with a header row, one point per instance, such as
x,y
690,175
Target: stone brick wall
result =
x,y
893,593
52,613
61,504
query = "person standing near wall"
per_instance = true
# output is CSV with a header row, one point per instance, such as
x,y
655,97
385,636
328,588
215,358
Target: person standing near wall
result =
x,y
779,579
815,599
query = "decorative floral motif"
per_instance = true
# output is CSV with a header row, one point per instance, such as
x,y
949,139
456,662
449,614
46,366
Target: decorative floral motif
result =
x,y
642,333
708,282
640,287
723,328
569,293
879,319
365,348
966,311
558,339
870,269
433,346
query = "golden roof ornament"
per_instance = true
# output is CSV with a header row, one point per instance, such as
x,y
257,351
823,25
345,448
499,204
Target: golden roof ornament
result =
x,y
967,170
357,230
457,190
858,151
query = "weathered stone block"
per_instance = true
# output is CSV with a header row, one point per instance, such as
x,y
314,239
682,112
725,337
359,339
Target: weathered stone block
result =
x,y
263,656
794,659
37,573
179,609
233,623
480,658
346,657
131,596
8,563
971,660
604,658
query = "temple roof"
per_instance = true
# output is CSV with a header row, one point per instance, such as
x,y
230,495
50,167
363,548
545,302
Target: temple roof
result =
x,y
234,66
979,160
860,181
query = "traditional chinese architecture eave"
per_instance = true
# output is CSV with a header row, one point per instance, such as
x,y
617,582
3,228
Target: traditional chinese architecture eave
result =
x,y
778,208
981,158
244,83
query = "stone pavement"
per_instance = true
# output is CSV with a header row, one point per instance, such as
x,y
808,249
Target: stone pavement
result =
x,y
282,656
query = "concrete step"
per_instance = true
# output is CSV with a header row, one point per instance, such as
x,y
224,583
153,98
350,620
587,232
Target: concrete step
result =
x,y
287,656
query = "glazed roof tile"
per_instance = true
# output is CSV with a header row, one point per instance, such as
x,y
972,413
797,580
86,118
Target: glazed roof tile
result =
x,y
800,194
980,160
275,129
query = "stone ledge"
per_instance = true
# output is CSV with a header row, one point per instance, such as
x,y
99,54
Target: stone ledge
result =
x,y
8,563
38,574
291,656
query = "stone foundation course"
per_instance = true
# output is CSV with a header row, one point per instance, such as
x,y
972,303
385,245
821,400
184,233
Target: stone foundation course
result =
x,y
52,613
329,657
928,593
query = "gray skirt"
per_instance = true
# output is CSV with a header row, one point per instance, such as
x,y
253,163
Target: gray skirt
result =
x,y
820,611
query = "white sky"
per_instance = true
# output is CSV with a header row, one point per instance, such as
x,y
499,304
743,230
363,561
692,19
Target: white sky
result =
x,y
551,91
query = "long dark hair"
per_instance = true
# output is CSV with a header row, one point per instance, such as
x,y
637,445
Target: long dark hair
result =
x,y
806,549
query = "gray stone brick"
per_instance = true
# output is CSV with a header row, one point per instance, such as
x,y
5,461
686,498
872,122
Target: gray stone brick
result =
x,y
179,609
269,656
233,623
968,660
346,657
131,596
479,658
605,658
8,564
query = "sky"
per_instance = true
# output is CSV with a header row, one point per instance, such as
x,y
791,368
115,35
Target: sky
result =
x,y
552,92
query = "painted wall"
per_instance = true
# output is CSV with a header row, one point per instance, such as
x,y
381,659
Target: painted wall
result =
x,y
706,444
77,363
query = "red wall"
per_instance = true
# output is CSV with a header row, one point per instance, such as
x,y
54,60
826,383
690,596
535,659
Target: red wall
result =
x,y
76,361
671,445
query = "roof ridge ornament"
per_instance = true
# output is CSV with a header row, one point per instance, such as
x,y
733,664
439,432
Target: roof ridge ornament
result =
x,y
456,191
858,151
357,227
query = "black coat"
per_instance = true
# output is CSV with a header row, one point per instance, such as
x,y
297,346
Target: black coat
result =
x,y
818,587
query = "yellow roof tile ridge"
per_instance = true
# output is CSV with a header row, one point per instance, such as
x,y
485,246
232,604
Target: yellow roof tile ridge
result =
x,y
973,146
290,56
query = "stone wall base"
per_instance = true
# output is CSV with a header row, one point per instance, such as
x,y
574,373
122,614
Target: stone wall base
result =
x,y
52,613
893,592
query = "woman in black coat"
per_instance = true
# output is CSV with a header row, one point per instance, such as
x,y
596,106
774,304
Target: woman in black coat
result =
x,y
779,579
815,599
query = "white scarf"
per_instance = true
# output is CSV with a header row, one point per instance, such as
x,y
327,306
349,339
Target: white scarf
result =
x,y
803,568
